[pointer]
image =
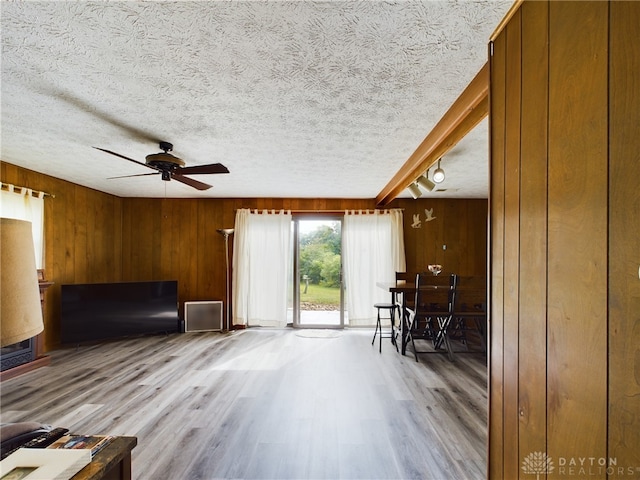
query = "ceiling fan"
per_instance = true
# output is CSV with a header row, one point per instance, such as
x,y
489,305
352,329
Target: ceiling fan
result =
x,y
172,167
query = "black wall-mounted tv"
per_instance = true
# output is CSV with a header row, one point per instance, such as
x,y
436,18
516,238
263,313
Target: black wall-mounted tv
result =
x,y
99,311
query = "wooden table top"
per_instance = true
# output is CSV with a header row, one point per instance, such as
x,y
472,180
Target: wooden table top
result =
x,y
396,287
107,458
407,287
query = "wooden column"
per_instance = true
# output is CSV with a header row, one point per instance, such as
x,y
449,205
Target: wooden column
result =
x,y
565,241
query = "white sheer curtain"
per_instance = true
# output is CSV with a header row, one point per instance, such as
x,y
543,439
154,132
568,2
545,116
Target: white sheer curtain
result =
x,y
373,250
261,256
23,205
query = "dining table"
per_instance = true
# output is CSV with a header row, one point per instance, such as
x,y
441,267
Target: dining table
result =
x,y
405,290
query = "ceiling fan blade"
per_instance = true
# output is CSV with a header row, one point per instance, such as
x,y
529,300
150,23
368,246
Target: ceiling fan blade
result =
x,y
190,181
204,169
126,158
139,175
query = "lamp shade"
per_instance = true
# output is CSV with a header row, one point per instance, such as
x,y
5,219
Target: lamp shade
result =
x,y
20,309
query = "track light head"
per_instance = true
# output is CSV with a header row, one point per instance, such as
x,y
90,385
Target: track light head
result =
x,y
438,174
414,191
425,183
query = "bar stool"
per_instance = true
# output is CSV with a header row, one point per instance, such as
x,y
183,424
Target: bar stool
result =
x,y
391,308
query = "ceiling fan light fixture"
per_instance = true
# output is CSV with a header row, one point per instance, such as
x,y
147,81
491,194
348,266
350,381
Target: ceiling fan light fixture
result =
x,y
438,174
164,158
414,191
425,183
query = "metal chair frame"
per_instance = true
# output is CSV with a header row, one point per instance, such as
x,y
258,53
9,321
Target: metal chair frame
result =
x,y
432,312
470,305
392,334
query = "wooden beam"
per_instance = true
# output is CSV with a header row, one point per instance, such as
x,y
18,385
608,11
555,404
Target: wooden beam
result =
x,y
466,112
507,18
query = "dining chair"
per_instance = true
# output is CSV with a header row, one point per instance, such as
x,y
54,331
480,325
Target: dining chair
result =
x,y
403,302
405,276
430,317
470,311
408,277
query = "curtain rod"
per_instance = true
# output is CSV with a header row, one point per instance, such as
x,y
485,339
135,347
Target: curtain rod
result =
x,y
36,193
322,212
293,211
370,210
341,211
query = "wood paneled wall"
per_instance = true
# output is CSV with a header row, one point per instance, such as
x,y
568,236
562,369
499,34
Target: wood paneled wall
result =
x,y
565,240
456,238
95,237
83,238
623,436
177,238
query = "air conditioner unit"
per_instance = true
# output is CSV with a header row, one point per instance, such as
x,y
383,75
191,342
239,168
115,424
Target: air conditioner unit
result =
x,y
203,316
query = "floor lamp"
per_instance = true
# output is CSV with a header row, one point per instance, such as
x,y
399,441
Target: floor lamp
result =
x,y
226,233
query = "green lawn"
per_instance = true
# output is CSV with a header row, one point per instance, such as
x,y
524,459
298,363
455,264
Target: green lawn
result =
x,y
320,295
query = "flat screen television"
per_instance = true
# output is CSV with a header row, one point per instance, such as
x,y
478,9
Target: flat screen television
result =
x,y
99,311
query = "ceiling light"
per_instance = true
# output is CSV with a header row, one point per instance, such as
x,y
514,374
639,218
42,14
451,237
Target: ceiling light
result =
x,y
425,183
414,191
438,174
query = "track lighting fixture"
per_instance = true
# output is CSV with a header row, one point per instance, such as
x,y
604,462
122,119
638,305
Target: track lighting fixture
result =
x,y
425,183
414,191
438,174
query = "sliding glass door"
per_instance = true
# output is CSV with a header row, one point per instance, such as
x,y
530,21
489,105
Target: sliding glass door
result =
x,y
317,293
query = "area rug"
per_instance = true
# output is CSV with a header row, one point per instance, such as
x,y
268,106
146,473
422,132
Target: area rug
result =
x,y
324,333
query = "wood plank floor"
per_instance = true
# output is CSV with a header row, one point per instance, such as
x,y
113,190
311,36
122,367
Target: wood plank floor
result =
x,y
267,404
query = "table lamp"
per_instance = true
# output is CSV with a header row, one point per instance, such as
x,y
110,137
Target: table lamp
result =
x,y
20,309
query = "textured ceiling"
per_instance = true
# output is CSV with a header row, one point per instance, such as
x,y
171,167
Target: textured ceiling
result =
x,y
296,98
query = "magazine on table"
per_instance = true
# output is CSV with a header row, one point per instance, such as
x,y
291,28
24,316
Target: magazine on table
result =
x,y
95,443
